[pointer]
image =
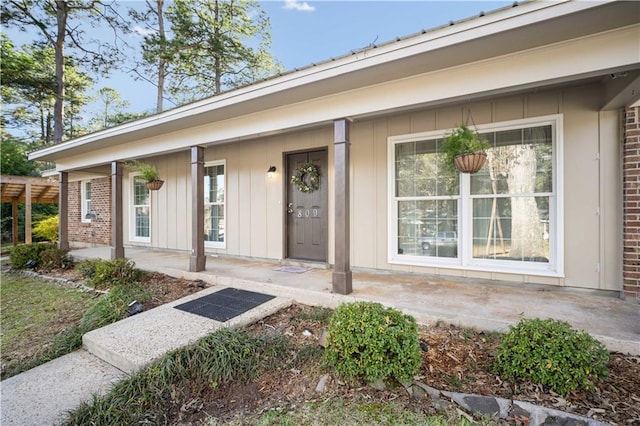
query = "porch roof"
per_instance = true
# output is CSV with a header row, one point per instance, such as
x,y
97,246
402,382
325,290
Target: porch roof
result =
x,y
14,189
501,33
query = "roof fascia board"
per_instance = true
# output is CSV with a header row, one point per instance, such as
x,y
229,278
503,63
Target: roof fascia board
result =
x,y
501,20
573,60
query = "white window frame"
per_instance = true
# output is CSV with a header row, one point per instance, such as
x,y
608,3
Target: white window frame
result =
x,y
132,215
555,266
219,244
84,209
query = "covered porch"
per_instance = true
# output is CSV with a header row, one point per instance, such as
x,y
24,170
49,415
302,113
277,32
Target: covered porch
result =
x,y
482,304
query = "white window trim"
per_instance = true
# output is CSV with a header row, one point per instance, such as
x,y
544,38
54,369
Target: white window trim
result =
x,y
132,213
555,267
218,244
83,202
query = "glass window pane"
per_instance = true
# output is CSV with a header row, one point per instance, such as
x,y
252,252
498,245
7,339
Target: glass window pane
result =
x,y
214,223
428,228
140,192
520,162
142,222
87,190
511,228
420,171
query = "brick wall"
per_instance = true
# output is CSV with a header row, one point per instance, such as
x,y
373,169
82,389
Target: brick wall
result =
x,y
631,226
98,231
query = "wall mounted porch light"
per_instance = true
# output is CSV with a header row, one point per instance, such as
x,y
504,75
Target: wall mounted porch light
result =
x,y
271,171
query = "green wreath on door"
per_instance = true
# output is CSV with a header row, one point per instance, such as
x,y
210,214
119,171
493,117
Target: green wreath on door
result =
x,y
306,178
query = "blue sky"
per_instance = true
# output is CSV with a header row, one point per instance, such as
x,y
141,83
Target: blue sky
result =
x,y
304,32
312,31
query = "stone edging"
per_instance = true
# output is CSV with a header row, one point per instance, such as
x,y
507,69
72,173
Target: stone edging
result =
x,y
502,408
62,281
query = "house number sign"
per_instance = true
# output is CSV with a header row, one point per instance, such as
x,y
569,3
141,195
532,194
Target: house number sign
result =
x,y
307,213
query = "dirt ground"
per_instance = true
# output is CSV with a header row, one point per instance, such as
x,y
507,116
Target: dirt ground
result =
x,y
460,360
456,360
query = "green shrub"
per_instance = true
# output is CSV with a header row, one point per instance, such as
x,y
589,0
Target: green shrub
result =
x,y
87,267
115,272
369,341
28,255
55,258
47,228
552,353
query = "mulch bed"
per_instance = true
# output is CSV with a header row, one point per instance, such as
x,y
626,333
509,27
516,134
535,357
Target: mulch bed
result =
x,y
457,360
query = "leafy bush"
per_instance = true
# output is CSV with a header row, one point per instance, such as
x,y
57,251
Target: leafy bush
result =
x,y
55,258
369,341
115,272
552,353
28,255
47,228
87,267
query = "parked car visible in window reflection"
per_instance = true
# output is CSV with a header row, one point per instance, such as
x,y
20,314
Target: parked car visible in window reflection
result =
x,y
440,239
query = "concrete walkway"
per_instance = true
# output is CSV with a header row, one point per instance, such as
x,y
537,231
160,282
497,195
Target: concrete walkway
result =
x,y
42,396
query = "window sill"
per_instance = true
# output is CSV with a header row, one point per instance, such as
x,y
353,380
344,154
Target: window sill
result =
x,y
501,269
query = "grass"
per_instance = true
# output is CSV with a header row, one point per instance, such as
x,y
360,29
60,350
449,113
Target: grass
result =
x,y
349,413
34,313
42,321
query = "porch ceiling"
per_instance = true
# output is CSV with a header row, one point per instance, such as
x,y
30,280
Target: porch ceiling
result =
x,y
14,189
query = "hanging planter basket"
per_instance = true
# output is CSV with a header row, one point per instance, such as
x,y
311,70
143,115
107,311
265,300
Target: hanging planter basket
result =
x,y
154,185
470,163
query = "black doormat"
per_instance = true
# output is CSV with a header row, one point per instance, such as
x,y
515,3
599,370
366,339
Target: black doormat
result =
x,y
225,304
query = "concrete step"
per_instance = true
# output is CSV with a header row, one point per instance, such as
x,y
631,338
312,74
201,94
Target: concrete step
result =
x,y
137,341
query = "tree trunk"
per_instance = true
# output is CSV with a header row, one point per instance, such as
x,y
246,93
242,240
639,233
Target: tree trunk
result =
x,y
58,109
43,131
162,63
47,135
526,228
217,63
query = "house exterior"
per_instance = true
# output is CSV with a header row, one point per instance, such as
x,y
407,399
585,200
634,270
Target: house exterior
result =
x,y
554,87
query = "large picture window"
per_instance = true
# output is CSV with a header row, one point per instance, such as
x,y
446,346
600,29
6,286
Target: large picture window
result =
x,y
141,209
502,218
214,196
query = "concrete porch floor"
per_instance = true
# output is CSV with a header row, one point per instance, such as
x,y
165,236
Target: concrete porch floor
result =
x,y
466,302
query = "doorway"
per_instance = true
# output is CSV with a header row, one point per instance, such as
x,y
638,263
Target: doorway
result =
x,y
306,214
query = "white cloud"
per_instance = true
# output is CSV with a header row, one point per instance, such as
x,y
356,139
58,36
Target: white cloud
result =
x,y
143,31
295,5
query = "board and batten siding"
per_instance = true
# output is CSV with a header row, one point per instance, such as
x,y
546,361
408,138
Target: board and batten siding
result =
x,y
591,180
170,206
255,204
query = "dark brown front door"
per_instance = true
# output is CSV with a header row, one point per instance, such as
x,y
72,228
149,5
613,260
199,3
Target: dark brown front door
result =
x,y
307,211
